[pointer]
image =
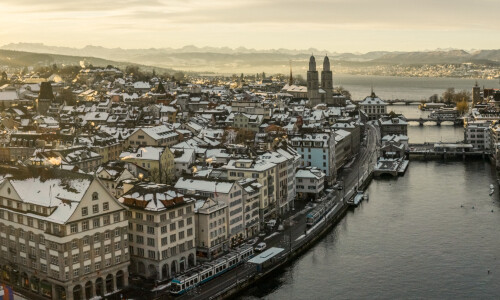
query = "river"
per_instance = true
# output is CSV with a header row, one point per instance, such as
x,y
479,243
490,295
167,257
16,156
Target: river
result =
x,y
413,88
447,132
430,234
390,87
411,240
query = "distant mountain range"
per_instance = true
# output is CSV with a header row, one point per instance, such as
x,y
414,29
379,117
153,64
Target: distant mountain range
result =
x,y
228,60
18,58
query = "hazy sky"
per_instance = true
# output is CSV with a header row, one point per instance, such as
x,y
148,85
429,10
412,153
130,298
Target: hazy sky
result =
x,y
336,25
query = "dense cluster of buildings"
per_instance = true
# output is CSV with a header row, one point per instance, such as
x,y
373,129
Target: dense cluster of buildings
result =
x,y
482,127
107,176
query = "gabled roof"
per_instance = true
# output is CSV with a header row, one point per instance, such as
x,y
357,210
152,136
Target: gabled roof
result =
x,y
48,187
204,185
153,197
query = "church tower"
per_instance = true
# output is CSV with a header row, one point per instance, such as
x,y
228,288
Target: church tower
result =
x,y
313,83
327,79
476,94
45,98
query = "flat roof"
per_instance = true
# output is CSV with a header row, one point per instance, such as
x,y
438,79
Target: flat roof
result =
x,y
266,255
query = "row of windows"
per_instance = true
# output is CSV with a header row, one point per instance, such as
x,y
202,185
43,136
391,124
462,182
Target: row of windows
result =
x,y
310,180
41,224
96,238
215,223
214,233
96,223
19,205
163,217
139,239
164,253
95,208
97,266
151,230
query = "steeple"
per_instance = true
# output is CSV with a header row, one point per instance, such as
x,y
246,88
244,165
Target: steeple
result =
x,y
290,80
327,80
45,98
312,63
326,64
313,83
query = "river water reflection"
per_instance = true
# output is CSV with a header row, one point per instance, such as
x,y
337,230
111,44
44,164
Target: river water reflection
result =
x,y
411,240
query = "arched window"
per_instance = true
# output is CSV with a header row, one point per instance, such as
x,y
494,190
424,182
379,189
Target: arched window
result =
x,y
95,196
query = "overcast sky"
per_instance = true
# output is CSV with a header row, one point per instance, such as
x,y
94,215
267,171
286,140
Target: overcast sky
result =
x,y
335,25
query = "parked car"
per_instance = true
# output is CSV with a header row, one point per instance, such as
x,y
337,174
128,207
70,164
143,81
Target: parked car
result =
x,y
260,247
271,223
252,241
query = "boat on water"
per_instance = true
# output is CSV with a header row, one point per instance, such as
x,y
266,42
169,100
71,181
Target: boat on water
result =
x,y
357,199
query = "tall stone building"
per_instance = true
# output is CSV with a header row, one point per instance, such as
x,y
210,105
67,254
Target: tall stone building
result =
x,y
316,94
313,83
45,98
476,94
327,79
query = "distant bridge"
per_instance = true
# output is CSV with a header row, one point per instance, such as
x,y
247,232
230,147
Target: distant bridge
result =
x,y
401,101
456,121
439,150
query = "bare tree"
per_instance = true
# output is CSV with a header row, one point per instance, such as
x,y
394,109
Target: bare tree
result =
x,y
344,92
449,95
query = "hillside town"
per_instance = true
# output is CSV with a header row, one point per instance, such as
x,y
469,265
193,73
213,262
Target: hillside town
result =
x,y
112,179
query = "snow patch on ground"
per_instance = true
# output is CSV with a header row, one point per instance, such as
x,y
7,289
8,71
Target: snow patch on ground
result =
x,y
270,236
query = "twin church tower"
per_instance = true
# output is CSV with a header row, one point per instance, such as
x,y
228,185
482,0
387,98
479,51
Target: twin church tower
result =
x,y
315,93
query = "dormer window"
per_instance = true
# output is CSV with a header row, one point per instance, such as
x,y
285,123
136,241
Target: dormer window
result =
x,y
95,196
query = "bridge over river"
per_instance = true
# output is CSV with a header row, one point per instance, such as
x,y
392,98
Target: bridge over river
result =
x,y
459,121
400,101
439,150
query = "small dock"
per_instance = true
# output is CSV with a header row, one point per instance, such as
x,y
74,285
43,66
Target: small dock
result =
x,y
390,166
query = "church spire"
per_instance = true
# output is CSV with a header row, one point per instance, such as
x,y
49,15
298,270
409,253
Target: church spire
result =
x,y
326,63
312,63
290,80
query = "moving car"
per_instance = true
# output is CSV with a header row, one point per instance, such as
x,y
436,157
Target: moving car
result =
x,y
260,247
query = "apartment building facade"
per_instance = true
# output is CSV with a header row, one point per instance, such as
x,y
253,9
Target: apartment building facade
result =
x,y
227,191
161,230
211,228
63,235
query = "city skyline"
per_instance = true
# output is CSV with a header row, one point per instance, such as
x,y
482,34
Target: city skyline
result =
x,y
337,26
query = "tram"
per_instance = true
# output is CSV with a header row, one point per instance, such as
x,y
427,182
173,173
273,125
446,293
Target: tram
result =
x,y
210,270
318,212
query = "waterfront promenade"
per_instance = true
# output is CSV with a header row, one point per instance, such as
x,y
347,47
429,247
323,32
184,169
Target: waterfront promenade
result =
x,y
296,237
